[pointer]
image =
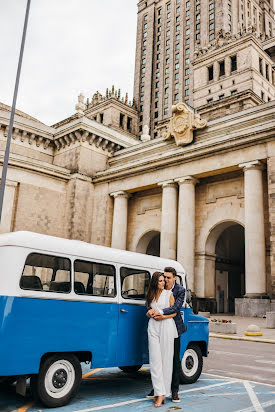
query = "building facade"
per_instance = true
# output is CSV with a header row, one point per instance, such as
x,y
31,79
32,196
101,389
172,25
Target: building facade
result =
x,y
201,191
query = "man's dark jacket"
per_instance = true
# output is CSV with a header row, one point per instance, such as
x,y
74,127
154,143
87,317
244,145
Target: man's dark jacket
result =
x,y
179,294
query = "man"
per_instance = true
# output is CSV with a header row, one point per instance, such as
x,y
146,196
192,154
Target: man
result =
x,y
179,294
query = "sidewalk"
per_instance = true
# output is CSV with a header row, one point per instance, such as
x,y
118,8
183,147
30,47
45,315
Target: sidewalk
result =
x,y
242,324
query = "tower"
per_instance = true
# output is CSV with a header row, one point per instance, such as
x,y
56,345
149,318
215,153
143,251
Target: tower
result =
x,y
172,34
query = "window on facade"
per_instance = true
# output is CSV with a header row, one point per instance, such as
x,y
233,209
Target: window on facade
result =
x,y
198,36
267,71
229,6
142,98
142,79
156,104
178,28
176,97
167,70
177,66
165,110
233,63
140,118
157,75
177,56
229,27
156,115
186,82
159,29
140,128
177,46
187,13
198,6
166,80
168,15
187,51
143,61
211,26
146,17
187,41
186,92
187,32
198,16
168,24
188,4
141,108
233,92
198,26
158,47
210,73
178,10
158,37
169,6
134,283
168,33
166,100
159,12
229,17
176,76
46,273
188,22
158,56
210,100
145,26
159,20
177,37
158,65
176,86
222,68
211,6
166,90
144,52
260,65
156,95
94,279
187,61
167,42
211,16
167,61
177,19
142,89
211,36
187,71
221,96
167,51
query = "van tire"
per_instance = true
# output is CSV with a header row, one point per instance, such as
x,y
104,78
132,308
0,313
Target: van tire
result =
x,y
191,364
58,380
130,369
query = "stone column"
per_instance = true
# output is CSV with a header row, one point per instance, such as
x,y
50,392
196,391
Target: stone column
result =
x,y
168,237
255,276
186,226
119,230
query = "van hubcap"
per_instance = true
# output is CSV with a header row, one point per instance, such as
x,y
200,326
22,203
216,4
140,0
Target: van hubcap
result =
x,y
189,362
60,378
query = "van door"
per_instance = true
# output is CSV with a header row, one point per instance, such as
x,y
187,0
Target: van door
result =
x,y
132,326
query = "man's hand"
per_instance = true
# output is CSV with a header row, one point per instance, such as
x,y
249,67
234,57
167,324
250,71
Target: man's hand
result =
x,y
158,316
151,313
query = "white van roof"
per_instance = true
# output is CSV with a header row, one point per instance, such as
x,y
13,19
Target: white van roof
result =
x,y
78,248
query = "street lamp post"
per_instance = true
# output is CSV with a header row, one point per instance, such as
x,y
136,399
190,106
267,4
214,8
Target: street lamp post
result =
x,y
7,151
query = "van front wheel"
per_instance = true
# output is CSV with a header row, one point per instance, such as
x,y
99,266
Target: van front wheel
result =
x,y
191,364
58,380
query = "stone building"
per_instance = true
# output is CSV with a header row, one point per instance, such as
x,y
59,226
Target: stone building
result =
x,y
202,191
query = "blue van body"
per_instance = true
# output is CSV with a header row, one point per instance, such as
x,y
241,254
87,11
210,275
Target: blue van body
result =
x,y
107,330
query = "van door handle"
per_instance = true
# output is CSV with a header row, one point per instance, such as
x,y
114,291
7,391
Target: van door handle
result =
x,y
124,310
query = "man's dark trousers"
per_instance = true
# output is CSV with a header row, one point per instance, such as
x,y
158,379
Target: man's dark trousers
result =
x,y
176,366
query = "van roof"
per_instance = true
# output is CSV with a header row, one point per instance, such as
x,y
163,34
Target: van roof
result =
x,y
79,248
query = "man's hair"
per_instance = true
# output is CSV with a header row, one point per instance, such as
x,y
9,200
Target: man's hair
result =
x,y
171,270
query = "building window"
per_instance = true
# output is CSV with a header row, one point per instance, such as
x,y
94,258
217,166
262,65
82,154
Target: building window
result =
x,y
176,76
198,36
177,66
167,42
168,24
156,115
165,111
187,41
157,85
159,12
229,17
233,92
167,51
168,15
176,86
177,37
167,61
177,56
166,100
158,56
187,61
142,79
140,118
144,43
211,6
187,71
168,33
187,13
145,26
198,26
166,90
186,92
166,80
141,108
167,70
142,98
143,61
198,16
233,63
229,27
178,10
142,89
158,47
222,68
198,6
176,97
157,75
159,20
211,36
221,96
177,19
178,28
187,32
158,37
156,95
186,82
146,17
260,65
211,16
210,73
144,52
210,100
187,4
158,65
169,6
156,104
188,22
211,26
187,51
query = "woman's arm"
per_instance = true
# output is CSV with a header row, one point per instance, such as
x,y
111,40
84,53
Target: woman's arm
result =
x,y
171,302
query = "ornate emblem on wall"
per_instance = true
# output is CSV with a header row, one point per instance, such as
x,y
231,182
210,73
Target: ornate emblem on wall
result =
x,y
182,124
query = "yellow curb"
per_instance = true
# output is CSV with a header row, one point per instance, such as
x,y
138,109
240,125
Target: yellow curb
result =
x,y
26,407
91,373
248,339
253,334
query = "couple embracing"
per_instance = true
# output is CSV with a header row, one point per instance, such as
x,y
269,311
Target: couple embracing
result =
x,y
164,299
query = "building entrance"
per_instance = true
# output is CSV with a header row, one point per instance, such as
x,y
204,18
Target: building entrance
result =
x,y
229,268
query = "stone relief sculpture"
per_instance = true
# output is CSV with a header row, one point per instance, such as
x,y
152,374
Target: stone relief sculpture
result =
x,y
182,124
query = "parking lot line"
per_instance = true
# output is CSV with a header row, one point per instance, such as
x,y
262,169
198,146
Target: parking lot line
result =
x,y
115,405
25,407
252,408
91,373
253,397
240,380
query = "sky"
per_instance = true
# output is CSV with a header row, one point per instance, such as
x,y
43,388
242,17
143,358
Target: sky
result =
x,y
72,47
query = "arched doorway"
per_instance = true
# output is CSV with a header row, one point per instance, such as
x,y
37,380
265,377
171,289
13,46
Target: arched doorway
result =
x,y
229,267
149,243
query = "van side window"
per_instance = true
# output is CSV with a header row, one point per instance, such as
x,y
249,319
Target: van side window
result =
x,y
94,279
134,283
179,280
46,273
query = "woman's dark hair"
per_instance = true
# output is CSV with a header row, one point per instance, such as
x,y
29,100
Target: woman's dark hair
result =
x,y
153,287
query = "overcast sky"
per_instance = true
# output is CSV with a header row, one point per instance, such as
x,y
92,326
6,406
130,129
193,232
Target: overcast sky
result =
x,y
72,46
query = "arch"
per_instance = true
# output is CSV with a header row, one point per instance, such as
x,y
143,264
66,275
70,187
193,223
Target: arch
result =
x,y
215,233
149,243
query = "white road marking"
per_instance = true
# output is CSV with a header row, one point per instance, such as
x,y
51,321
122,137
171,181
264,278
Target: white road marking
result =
x,y
230,377
252,367
268,362
252,409
99,408
221,352
253,397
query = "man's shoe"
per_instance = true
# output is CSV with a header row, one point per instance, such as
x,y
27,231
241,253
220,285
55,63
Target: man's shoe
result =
x,y
150,395
175,397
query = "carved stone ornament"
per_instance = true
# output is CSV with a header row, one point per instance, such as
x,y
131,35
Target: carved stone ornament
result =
x,y
182,124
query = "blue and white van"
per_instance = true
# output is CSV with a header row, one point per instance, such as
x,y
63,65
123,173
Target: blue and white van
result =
x,y
63,302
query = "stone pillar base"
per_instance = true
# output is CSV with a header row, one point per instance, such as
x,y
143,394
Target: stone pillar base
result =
x,y
204,305
252,307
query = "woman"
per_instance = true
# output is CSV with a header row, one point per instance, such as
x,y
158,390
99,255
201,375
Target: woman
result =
x,y
161,335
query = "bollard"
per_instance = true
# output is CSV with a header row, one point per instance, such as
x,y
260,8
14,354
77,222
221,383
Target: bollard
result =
x,y
270,320
253,330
